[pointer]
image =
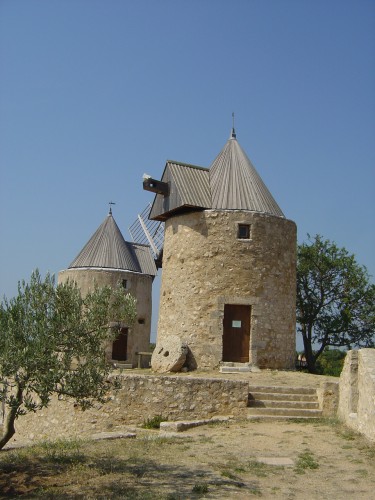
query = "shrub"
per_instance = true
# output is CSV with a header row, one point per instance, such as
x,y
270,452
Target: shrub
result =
x,y
153,422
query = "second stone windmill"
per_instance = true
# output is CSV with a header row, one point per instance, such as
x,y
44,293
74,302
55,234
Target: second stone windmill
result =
x,y
107,259
229,264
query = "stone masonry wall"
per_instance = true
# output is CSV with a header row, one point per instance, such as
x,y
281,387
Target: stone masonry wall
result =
x,y
139,285
357,392
348,393
205,266
140,397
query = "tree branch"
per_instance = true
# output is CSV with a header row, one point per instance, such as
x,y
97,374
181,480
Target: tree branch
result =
x,y
9,429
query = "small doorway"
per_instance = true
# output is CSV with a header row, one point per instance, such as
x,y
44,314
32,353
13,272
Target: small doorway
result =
x,y
236,333
120,346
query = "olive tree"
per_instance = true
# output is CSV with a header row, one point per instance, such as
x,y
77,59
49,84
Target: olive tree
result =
x,y
335,299
52,341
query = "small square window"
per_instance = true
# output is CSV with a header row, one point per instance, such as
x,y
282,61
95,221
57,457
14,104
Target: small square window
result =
x,y
243,231
124,284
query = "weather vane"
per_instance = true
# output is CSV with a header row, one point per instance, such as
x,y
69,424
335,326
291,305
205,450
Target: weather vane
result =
x,y
233,134
110,207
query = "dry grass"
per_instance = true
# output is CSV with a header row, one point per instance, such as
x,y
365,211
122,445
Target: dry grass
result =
x,y
216,461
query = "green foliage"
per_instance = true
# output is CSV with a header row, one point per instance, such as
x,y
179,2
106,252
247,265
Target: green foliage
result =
x,y
229,475
305,461
154,422
200,488
258,468
52,340
331,362
348,434
335,299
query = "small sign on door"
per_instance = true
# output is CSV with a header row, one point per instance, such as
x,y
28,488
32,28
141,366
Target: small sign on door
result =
x,y
236,324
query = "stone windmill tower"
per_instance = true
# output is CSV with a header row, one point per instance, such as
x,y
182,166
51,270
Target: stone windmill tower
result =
x,y
107,259
229,263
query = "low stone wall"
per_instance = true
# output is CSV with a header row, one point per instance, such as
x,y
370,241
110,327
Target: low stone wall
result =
x,y
357,392
328,398
140,397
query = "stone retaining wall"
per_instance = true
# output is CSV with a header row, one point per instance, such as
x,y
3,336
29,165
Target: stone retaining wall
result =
x,y
357,392
141,397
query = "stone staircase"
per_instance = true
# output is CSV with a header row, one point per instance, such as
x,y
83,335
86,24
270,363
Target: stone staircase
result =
x,y
231,367
272,402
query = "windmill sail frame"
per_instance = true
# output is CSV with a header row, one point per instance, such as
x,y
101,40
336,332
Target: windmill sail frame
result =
x,y
149,232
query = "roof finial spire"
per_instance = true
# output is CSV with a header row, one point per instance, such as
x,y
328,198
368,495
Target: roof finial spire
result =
x,y
233,133
110,208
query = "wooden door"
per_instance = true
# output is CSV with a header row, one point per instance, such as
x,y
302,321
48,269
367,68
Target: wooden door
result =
x,y
120,346
236,333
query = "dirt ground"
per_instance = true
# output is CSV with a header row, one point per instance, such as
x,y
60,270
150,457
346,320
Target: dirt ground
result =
x,y
239,459
234,460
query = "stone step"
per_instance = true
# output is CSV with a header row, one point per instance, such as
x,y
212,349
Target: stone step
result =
x,y
275,396
281,389
233,364
234,369
307,405
283,402
122,366
284,412
270,418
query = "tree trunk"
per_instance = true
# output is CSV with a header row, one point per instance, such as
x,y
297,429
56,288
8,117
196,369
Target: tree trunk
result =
x,y
310,358
8,425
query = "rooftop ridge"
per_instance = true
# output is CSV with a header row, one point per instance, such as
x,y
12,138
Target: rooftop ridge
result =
x,y
174,162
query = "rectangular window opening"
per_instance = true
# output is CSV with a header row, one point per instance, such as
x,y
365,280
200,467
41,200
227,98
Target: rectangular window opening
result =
x,y
243,231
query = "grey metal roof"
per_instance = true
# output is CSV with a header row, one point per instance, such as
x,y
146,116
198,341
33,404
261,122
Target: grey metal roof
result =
x,y
189,187
193,184
236,185
107,248
231,183
145,258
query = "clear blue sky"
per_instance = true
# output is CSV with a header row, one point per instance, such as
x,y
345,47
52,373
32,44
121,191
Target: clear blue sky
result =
x,y
93,93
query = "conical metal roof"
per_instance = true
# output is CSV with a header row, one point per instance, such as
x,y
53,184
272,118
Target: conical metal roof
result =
x,y
236,185
107,249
